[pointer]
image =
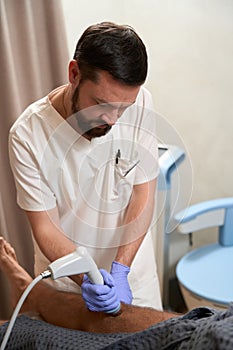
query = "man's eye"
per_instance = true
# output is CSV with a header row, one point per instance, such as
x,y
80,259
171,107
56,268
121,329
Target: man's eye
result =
x,y
102,105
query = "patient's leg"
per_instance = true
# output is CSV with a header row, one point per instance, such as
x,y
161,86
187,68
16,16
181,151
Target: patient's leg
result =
x,y
68,309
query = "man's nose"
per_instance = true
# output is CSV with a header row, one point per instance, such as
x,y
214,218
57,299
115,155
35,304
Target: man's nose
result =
x,y
110,118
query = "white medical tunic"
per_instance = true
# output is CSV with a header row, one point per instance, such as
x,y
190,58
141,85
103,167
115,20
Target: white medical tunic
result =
x,y
54,166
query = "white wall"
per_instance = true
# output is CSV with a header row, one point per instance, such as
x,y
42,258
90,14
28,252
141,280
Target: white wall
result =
x,y
190,50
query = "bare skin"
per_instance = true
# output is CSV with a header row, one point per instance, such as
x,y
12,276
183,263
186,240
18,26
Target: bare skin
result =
x,y
69,310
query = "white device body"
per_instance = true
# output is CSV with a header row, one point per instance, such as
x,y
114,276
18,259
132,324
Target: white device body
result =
x,y
75,263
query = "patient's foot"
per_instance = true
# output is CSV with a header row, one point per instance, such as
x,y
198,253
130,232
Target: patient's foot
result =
x,y
18,278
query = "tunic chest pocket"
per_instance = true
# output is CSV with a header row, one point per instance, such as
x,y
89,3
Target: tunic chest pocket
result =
x,y
115,180
124,174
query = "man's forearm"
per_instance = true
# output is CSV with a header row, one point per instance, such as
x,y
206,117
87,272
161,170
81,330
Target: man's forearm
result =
x,y
137,221
49,236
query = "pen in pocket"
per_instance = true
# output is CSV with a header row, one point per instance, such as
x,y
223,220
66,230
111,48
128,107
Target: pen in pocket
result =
x,y
118,156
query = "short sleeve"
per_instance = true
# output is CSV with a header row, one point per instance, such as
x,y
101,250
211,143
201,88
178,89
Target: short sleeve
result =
x,y
33,193
148,167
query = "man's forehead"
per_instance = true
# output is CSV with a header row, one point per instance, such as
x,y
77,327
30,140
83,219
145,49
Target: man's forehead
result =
x,y
106,79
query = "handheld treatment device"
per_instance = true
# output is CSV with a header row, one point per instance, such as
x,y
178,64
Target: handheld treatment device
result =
x,y
75,263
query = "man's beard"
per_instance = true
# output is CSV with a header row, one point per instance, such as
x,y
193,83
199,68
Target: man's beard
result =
x,y
84,126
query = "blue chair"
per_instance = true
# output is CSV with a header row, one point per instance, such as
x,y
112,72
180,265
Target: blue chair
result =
x,y
205,274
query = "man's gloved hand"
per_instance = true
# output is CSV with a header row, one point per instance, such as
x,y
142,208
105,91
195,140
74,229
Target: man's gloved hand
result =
x,y
119,273
99,297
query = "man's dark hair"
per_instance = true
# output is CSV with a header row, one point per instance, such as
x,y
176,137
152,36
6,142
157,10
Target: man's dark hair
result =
x,y
114,48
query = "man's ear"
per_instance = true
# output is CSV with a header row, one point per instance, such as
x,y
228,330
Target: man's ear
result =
x,y
74,72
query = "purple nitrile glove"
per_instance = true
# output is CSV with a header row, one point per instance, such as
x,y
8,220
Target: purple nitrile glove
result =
x,y
119,273
99,297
